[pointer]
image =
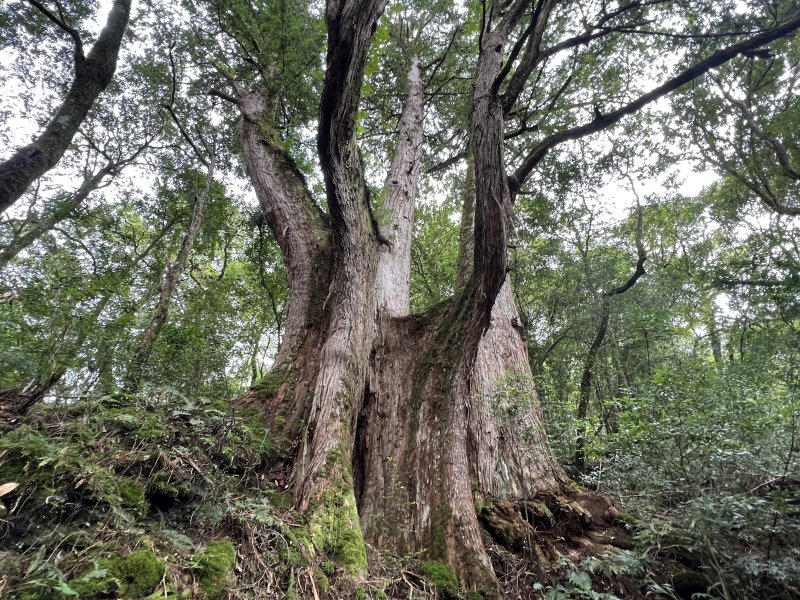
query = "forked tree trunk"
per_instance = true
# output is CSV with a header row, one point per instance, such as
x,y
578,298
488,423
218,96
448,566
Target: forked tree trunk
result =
x,y
394,423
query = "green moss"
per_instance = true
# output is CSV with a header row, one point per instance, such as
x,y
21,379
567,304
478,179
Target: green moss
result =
x,y
281,500
360,594
139,572
322,579
132,576
440,518
212,566
291,592
95,583
271,383
132,495
328,567
299,549
479,505
540,510
443,577
336,531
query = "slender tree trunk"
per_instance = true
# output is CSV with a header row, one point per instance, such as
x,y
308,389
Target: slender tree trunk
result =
x,y
93,73
713,332
172,273
584,396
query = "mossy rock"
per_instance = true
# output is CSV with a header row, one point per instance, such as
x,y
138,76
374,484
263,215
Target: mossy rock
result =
x,y
132,576
443,577
212,565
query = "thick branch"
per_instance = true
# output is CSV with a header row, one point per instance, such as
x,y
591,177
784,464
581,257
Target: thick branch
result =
x,y
530,59
601,122
92,76
350,28
292,215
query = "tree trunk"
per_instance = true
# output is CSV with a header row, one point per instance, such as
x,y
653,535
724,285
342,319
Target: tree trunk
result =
x,y
396,423
172,272
579,460
93,73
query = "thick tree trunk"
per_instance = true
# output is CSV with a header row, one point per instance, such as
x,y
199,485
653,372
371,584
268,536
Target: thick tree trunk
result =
x,y
396,423
93,73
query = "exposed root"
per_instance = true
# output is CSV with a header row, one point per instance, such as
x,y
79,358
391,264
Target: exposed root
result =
x,y
531,538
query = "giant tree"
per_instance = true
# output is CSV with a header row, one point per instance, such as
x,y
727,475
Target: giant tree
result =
x,y
391,436
392,428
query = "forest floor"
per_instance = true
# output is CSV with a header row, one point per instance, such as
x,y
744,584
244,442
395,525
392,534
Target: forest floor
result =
x,y
167,497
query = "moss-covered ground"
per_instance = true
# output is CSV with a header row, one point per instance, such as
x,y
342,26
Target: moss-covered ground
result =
x,y
167,497
131,497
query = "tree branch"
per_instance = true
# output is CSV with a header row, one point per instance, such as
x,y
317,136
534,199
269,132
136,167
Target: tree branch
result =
x,y
601,122
62,23
92,76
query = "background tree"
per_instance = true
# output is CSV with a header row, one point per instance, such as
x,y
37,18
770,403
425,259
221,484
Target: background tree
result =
x,y
92,74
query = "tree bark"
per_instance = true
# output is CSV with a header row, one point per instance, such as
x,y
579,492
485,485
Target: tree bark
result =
x,y
396,423
93,73
394,266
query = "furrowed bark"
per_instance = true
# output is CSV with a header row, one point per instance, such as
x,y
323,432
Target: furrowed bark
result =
x,y
433,484
397,220
322,471
292,215
444,500
172,272
466,242
93,73
510,454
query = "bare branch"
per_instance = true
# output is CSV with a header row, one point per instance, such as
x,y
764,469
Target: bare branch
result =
x,y
62,23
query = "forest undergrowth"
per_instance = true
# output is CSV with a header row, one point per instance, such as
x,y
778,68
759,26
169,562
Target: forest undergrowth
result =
x,y
163,496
